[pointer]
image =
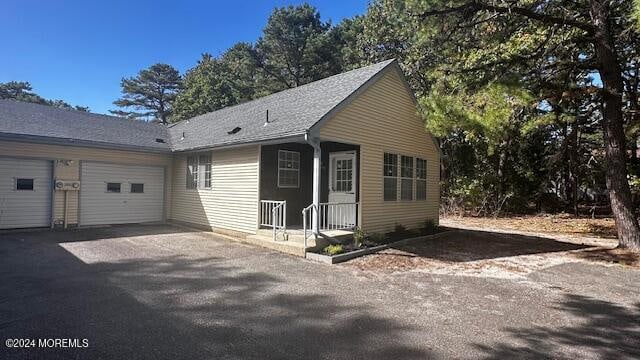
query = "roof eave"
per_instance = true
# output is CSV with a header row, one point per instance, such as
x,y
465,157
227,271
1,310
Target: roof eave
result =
x,y
48,140
230,145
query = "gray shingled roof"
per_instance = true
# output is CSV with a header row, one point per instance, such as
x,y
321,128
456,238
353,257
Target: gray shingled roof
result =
x,y
22,120
292,112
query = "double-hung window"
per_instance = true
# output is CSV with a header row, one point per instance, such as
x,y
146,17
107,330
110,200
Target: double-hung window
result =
x,y
390,174
406,178
198,172
421,179
288,169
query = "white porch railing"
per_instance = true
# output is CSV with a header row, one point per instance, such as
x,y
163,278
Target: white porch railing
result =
x,y
331,216
273,213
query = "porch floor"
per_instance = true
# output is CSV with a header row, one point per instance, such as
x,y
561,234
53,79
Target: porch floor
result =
x,y
293,242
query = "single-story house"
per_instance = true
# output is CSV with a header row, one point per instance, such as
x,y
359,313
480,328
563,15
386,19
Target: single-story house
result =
x,y
345,151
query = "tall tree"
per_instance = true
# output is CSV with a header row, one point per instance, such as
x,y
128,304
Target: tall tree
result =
x,y
22,91
241,67
348,50
151,93
206,88
296,48
592,27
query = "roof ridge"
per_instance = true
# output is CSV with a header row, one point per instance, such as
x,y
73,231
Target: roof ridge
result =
x,y
55,108
386,62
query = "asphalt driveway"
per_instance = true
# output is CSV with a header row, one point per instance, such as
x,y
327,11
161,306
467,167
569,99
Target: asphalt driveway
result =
x,y
163,292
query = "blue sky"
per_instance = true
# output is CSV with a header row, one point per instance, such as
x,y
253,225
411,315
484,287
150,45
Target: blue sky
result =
x,y
78,51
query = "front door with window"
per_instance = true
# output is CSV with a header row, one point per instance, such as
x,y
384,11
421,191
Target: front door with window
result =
x,y
342,185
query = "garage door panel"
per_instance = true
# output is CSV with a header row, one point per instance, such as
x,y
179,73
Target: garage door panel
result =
x,y
25,208
97,206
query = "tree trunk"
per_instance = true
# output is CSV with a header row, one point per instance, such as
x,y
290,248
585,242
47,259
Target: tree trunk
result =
x,y
614,139
573,165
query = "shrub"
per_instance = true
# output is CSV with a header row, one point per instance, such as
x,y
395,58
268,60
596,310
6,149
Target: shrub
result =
x,y
358,237
334,249
400,229
377,238
429,227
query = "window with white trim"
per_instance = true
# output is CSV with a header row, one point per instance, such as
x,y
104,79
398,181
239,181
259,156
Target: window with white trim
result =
x,y
204,167
421,179
288,169
390,174
406,178
198,172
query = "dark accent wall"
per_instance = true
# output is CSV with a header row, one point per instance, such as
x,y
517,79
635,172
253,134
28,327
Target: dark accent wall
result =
x,y
299,198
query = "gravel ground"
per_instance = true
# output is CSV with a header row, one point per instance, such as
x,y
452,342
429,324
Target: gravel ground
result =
x,y
163,292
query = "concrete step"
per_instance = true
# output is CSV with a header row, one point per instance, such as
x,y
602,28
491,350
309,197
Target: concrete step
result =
x,y
289,247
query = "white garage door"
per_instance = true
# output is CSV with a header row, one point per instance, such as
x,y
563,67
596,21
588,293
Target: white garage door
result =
x,y
25,193
120,194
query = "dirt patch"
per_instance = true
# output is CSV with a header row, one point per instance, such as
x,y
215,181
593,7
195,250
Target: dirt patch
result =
x,y
492,254
611,256
549,224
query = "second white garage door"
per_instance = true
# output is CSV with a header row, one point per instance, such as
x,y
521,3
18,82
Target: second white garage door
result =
x,y
120,194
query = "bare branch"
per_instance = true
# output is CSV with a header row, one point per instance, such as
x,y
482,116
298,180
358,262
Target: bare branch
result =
x,y
475,6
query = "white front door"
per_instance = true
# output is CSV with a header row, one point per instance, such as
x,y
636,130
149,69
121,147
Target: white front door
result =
x,y
342,187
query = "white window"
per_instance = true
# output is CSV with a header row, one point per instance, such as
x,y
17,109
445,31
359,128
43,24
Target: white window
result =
x,y
204,165
390,174
198,172
421,179
343,178
406,178
288,169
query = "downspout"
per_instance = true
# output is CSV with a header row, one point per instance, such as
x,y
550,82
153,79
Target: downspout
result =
x,y
317,155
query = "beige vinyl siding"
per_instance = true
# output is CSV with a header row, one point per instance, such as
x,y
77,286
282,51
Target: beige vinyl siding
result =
x,y
232,201
72,170
384,119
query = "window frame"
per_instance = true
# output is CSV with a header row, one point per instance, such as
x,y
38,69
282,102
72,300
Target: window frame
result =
x,y
136,192
394,167
198,173
421,178
404,178
33,184
107,183
296,170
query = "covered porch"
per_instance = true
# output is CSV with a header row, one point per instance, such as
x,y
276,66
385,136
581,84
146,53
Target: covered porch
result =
x,y
309,190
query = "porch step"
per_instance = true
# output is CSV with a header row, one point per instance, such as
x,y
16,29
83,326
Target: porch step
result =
x,y
288,247
293,241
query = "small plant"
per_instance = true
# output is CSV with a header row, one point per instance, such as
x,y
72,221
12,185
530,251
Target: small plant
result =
x,y
334,249
377,238
358,237
429,227
400,229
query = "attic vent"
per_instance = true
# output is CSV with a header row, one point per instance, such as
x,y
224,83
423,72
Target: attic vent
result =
x,y
158,140
234,131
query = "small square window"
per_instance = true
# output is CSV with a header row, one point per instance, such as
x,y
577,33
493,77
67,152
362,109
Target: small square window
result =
x,y
24,184
113,187
137,188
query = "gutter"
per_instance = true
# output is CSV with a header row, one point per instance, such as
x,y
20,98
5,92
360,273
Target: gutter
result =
x,y
47,140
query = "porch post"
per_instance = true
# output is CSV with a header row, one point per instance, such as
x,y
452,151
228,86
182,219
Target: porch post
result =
x,y
317,155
